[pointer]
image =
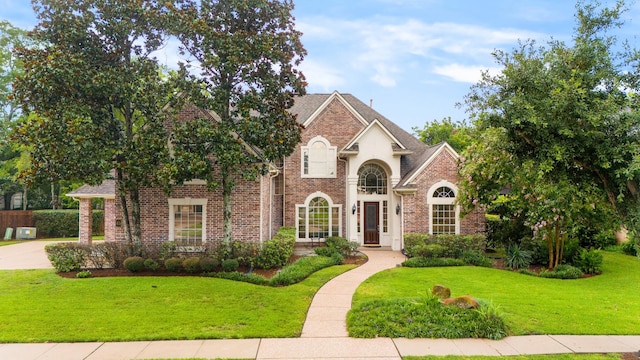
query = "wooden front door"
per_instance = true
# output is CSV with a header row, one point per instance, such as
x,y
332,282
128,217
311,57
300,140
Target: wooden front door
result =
x,y
371,223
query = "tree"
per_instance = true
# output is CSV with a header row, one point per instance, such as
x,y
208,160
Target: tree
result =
x,y
95,97
246,52
563,126
458,135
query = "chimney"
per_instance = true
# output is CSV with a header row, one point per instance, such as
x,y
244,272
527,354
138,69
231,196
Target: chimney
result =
x,y
371,103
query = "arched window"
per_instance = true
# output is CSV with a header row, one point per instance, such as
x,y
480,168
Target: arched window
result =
x,y
318,159
443,211
319,218
372,179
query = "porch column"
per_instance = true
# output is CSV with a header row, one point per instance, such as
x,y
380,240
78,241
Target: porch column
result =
x,y
86,220
352,199
109,219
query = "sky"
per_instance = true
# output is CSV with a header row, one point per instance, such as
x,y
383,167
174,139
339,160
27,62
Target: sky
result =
x,y
413,60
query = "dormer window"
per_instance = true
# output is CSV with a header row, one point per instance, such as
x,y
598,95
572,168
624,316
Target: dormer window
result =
x,y
318,159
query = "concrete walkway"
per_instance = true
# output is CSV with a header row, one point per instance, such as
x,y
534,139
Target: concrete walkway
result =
x,y
324,333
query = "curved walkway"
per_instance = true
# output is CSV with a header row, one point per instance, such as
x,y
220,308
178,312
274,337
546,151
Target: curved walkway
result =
x,y
323,336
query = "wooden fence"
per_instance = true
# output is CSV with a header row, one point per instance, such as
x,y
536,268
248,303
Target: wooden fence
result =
x,y
14,219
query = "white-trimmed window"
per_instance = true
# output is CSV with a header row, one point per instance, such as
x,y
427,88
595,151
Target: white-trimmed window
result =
x,y
372,179
187,221
318,159
318,218
443,212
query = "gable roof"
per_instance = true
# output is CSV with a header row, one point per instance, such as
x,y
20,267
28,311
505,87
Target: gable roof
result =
x,y
414,151
106,190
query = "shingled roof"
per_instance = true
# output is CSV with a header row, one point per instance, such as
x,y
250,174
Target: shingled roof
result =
x,y
305,106
106,190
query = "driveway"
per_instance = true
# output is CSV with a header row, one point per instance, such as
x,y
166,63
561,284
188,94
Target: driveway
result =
x,y
27,255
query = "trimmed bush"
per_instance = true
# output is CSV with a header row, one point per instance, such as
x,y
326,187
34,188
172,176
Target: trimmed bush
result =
x,y
452,245
236,276
168,250
302,268
173,264
229,265
134,264
191,265
66,257
475,259
418,262
208,264
428,250
151,265
562,272
83,274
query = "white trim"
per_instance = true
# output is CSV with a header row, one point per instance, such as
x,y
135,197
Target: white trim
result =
x,y
187,201
366,129
334,95
331,159
444,147
443,201
305,205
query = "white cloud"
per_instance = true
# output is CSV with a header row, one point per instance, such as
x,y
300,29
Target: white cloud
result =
x,y
464,73
321,75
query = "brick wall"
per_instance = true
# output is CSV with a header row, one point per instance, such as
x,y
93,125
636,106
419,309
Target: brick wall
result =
x,y
416,210
86,223
338,125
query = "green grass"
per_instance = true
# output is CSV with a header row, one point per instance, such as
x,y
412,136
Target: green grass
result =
x,y
605,304
10,242
39,306
520,357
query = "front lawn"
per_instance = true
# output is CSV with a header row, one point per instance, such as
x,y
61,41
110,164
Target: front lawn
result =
x,y
39,306
604,304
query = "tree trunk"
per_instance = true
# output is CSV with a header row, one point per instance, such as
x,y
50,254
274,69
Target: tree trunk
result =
x,y
227,187
55,204
136,229
558,247
547,234
124,208
24,198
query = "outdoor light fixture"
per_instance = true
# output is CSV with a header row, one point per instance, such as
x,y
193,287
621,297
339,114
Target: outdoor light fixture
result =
x,y
397,209
353,209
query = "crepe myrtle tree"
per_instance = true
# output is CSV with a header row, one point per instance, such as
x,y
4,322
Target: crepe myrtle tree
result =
x,y
243,57
95,97
559,129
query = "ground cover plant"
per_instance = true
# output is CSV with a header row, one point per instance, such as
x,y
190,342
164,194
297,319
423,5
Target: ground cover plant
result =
x,y
40,306
604,304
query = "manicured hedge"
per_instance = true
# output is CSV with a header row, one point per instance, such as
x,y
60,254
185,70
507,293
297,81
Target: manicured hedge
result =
x,y
451,246
64,223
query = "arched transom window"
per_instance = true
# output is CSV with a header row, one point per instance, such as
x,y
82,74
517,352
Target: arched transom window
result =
x,y
443,211
372,179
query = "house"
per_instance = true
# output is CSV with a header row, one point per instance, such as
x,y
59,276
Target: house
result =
x,y
355,174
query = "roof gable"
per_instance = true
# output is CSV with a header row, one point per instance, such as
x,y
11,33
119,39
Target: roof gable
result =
x,y
352,145
310,109
427,158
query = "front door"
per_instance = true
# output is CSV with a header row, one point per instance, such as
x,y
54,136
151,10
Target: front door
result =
x,y
371,223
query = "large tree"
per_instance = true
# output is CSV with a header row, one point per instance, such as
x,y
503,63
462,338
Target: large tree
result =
x,y
244,55
96,97
457,134
560,125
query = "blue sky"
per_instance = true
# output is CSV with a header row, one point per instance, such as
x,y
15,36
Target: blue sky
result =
x,y
415,59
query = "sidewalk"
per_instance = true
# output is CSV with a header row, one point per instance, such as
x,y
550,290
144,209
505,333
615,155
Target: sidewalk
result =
x,y
323,336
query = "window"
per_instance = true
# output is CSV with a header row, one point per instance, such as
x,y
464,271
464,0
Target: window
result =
x,y
319,159
318,219
385,216
372,179
443,211
187,223
278,184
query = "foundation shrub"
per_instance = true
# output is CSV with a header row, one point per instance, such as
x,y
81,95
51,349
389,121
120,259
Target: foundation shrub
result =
x,y
134,264
230,265
275,252
208,264
417,262
168,250
66,257
83,274
453,246
115,252
173,264
95,255
191,265
151,264
476,259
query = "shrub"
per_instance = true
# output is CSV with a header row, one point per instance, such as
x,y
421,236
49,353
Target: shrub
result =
x,y
151,265
589,261
229,265
236,276
134,264
429,250
417,262
83,274
95,255
168,250
570,250
562,272
244,252
517,258
115,252
630,247
173,264
208,264
301,269
476,259
275,252
66,257
191,265
326,251
452,245
63,223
